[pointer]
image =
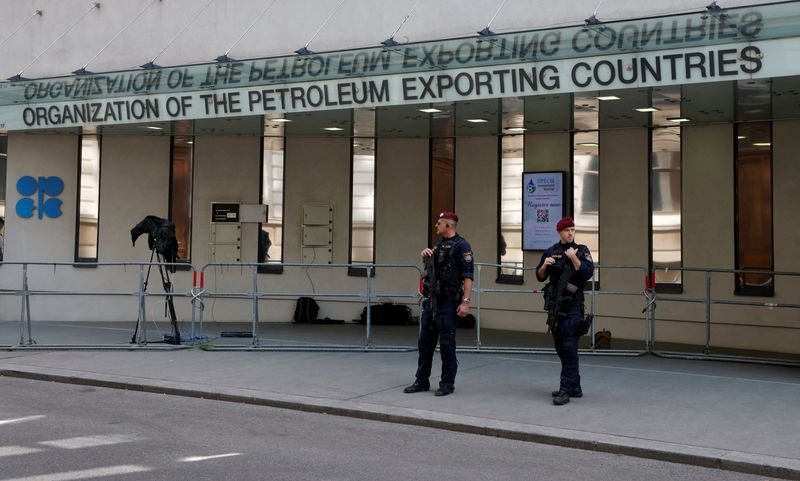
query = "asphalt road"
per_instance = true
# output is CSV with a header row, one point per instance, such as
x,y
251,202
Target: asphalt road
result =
x,y
61,432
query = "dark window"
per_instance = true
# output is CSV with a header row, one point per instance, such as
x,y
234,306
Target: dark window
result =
x,y
180,192
3,164
754,239
443,171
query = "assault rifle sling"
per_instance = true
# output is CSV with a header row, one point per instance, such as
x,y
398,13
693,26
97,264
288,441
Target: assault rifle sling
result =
x,y
555,300
433,284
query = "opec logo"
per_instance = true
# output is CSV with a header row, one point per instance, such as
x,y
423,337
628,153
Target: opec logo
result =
x,y
45,186
531,187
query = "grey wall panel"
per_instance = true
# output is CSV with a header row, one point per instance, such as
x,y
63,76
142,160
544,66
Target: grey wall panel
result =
x,y
34,238
134,183
401,202
476,194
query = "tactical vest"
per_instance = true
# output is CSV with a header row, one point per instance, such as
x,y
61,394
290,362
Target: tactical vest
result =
x,y
447,271
557,252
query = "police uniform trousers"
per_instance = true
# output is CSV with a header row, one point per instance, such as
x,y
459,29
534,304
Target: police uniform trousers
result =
x,y
442,329
566,343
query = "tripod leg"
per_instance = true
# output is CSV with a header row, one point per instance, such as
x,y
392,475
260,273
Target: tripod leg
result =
x,y
142,317
169,305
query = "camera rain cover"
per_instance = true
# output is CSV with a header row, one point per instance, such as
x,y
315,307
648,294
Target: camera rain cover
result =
x,y
160,236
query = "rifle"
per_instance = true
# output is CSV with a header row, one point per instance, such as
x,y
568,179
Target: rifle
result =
x,y
433,285
553,301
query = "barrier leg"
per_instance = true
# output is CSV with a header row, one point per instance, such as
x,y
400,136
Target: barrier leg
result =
x,y
255,306
478,316
369,306
707,349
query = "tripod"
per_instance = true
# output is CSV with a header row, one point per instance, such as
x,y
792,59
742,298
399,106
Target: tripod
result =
x,y
169,306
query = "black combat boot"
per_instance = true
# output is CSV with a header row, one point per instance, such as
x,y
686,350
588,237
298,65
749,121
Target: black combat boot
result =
x,y
561,399
444,390
416,387
575,393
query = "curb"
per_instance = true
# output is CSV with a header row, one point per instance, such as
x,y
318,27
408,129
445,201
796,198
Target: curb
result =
x,y
642,448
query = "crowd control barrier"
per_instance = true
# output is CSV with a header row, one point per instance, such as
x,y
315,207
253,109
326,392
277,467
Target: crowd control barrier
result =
x,y
481,294
202,294
30,281
709,301
131,278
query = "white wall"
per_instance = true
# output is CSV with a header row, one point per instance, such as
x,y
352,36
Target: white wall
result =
x,y
288,26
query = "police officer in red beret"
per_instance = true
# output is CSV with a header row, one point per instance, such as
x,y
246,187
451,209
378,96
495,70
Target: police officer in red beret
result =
x,y
453,266
566,266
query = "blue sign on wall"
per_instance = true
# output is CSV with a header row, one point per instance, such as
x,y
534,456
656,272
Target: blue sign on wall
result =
x,y
45,186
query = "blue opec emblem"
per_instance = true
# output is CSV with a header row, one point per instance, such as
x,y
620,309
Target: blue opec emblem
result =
x,y
50,186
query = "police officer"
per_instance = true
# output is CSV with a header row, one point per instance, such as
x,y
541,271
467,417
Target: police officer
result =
x,y
452,259
566,307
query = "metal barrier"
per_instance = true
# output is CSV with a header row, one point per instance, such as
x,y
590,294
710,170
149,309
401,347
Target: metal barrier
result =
x,y
709,301
594,294
200,294
26,340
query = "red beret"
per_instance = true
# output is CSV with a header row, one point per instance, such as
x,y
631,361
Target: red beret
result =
x,y
448,215
565,223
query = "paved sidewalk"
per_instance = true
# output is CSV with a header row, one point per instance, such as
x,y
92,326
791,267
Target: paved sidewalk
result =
x,y
738,417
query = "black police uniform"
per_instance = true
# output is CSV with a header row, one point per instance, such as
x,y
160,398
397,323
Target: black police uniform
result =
x,y
453,263
565,335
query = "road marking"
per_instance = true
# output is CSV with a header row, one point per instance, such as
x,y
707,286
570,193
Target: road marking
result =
x,y
16,450
91,441
85,474
20,420
659,371
194,459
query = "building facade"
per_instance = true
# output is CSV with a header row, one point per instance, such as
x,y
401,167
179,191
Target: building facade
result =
x,y
666,130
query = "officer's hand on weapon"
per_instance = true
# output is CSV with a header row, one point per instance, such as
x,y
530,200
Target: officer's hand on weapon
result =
x,y
541,272
426,252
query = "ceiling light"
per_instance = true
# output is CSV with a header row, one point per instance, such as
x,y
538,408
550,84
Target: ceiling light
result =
x,y
477,121
332,129
189,142
279,120
588,144
430,111
741,137
608,97
516,129
762,144
153,127
678,119
647,109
